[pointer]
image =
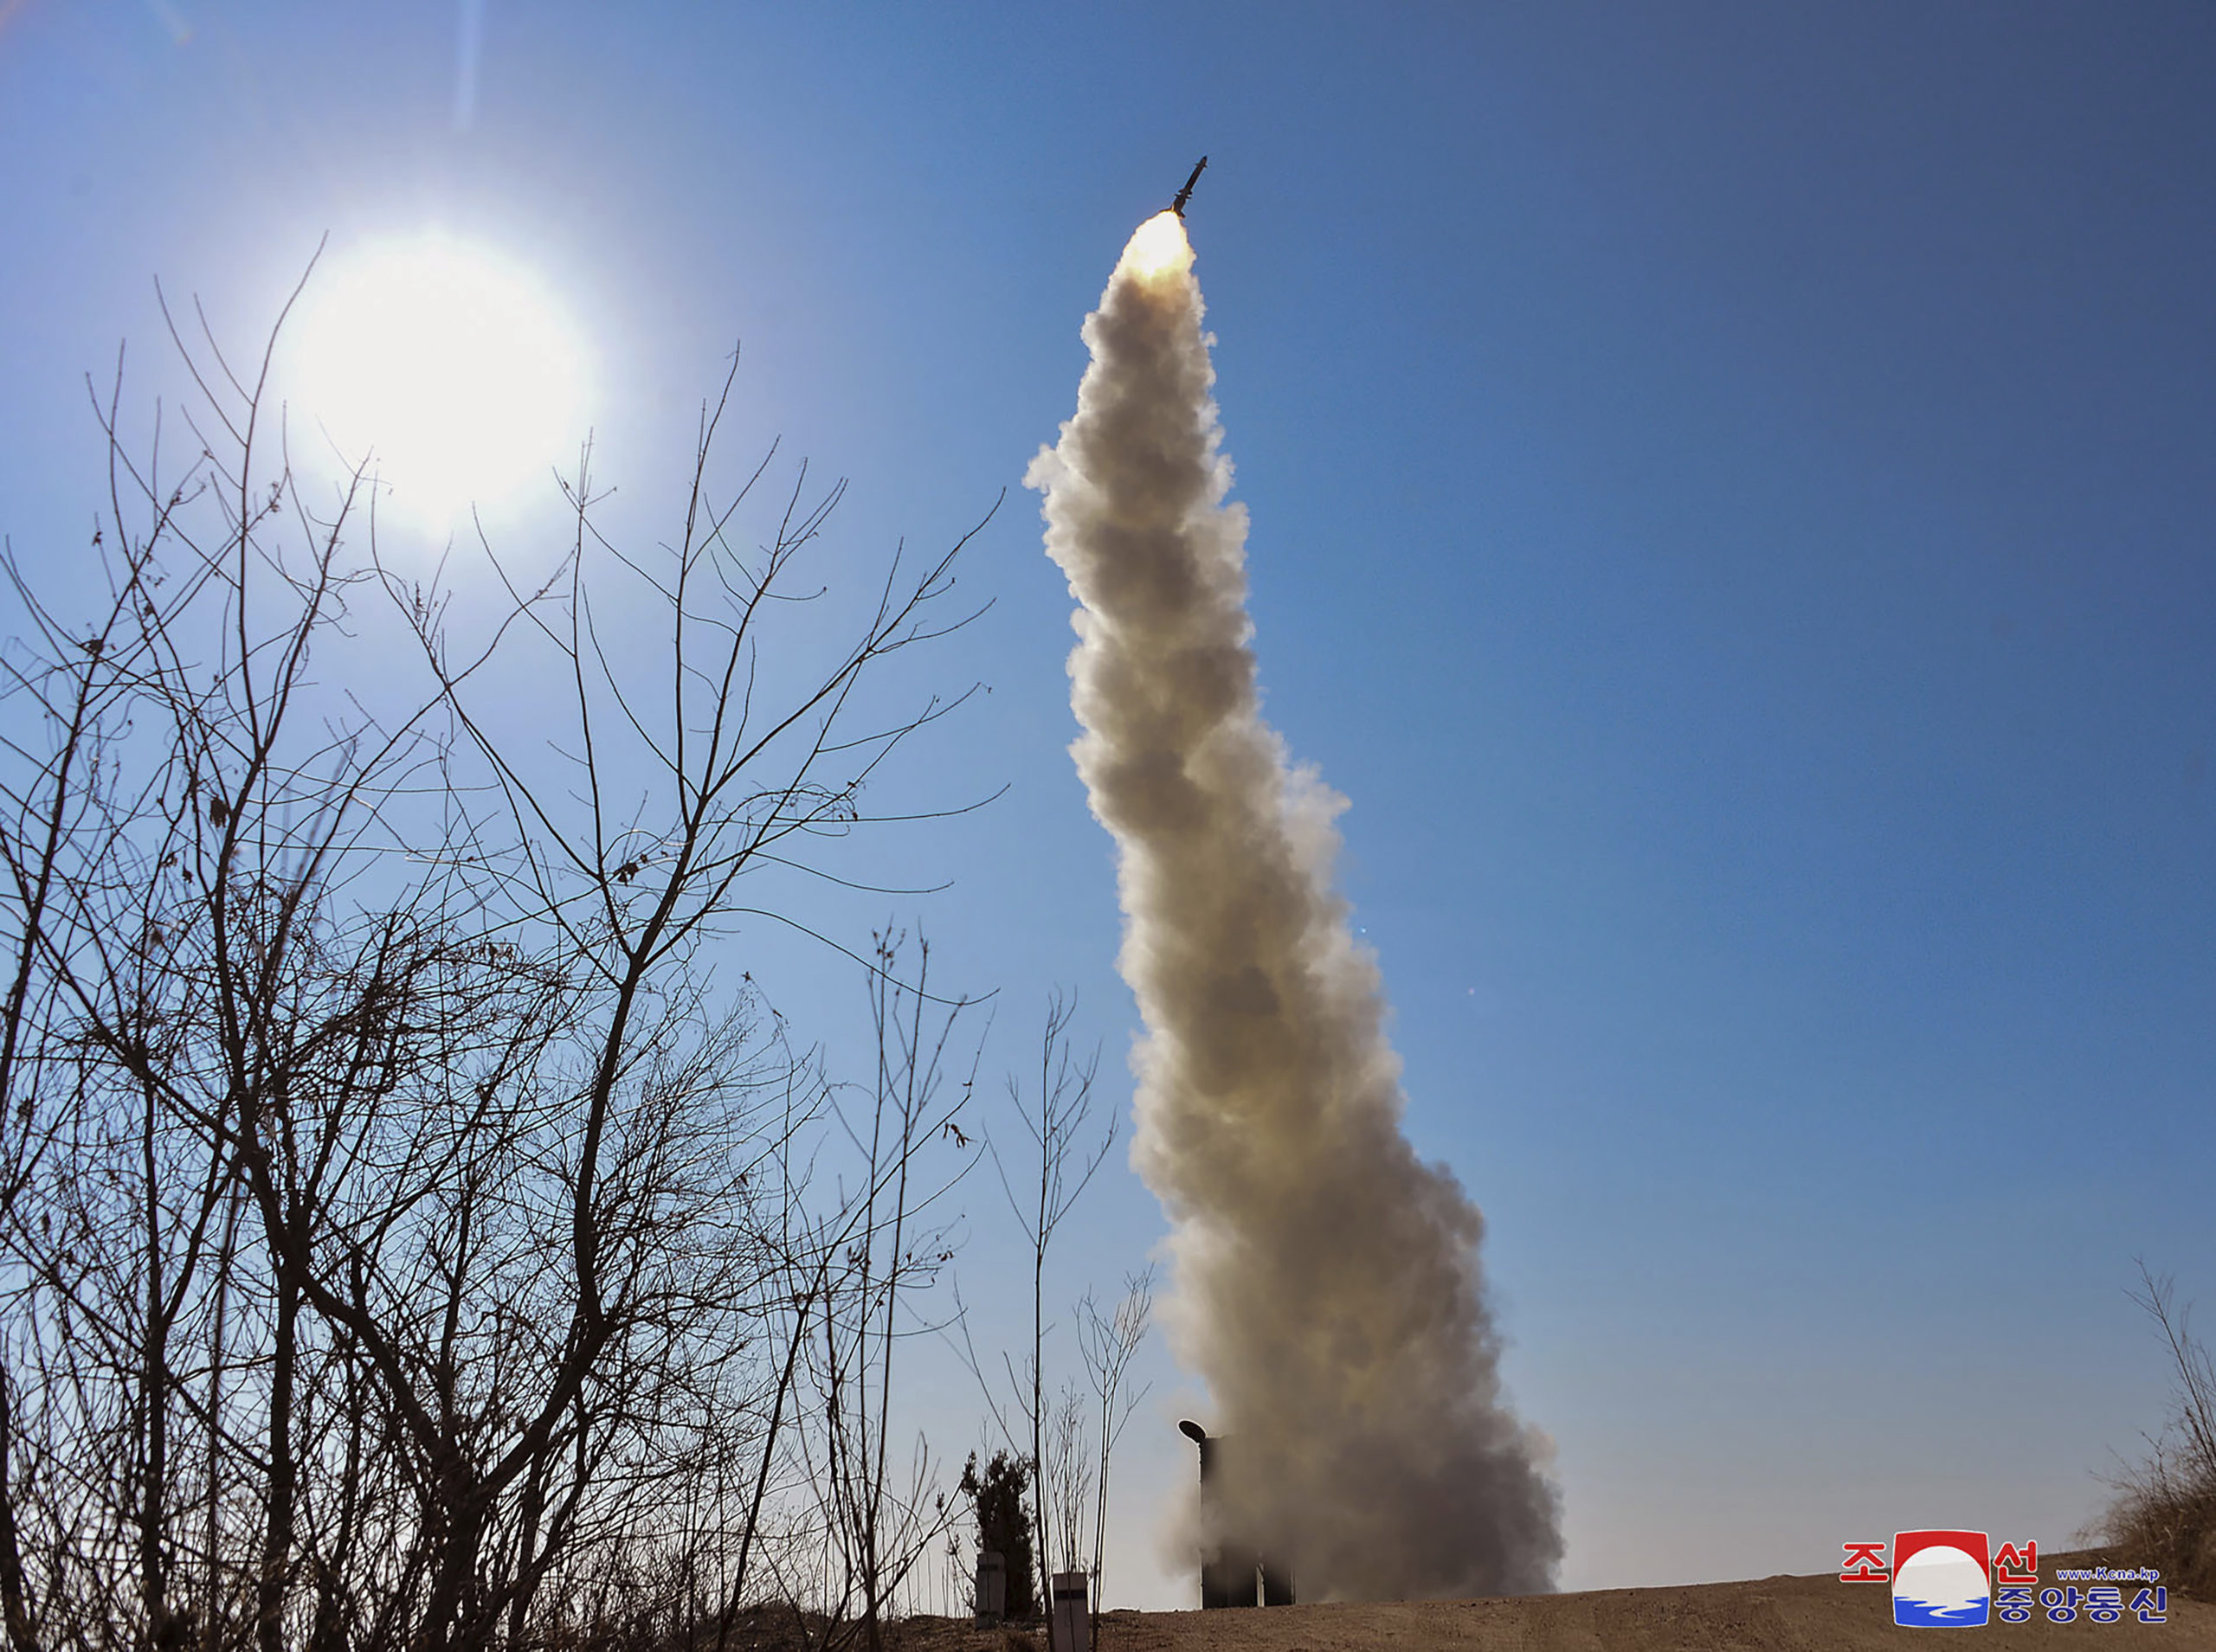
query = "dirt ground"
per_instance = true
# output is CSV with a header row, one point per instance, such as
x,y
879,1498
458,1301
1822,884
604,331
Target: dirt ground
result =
x,y
1818,1614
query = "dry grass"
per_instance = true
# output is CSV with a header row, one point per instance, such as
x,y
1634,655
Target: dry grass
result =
x,y
2165,1512
781,1628
2165,1516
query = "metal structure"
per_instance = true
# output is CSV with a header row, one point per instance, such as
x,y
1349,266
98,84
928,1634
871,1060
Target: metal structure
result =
x,y
1230,1575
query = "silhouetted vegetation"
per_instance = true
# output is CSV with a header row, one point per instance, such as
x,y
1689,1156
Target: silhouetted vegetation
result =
x,y
408,1238
2165,1511
996,1502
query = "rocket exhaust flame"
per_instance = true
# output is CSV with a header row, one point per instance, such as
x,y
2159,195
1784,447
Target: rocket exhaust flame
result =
x,y
1158,250
1327,1281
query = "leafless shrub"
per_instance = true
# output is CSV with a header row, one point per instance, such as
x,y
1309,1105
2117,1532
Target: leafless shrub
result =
x,y
2164,1515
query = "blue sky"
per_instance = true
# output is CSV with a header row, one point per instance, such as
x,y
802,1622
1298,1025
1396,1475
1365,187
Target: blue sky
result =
x,y
1732,496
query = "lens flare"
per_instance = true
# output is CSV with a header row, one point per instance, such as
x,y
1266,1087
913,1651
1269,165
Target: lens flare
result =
x,y
1157,249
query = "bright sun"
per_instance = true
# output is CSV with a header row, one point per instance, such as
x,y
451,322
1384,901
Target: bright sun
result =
x,y
456,374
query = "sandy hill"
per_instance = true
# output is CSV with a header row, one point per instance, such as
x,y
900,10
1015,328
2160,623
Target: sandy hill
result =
x,y
1818,1614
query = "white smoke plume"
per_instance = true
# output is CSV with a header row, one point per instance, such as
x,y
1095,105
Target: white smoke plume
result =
x,y
1327,1284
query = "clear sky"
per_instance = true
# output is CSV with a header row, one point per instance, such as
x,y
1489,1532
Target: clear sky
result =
x,y
1732,491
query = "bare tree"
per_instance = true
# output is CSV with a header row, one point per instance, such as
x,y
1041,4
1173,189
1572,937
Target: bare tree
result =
x,y
1056,1118
897,1243
399,1214
1069,1476
1108,1343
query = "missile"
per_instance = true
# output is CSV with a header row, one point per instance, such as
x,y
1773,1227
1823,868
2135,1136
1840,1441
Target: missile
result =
x,y
1186,194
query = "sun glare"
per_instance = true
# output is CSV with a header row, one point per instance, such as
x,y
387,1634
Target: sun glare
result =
x,y
457,375
1158,248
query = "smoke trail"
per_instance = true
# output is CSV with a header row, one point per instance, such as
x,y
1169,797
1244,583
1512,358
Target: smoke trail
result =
x,y
1327,1281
